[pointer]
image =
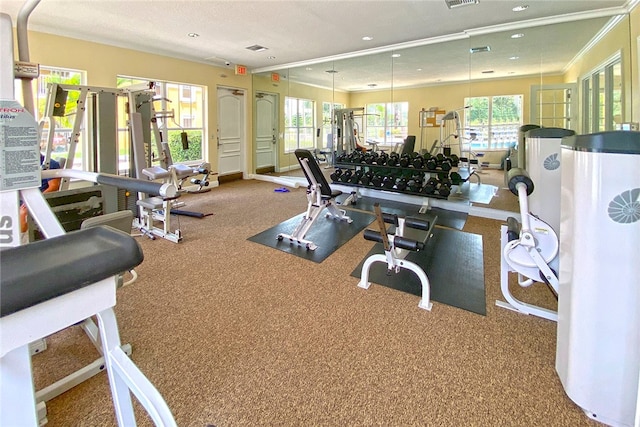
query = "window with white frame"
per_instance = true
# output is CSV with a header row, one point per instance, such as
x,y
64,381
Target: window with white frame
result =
x,y
61,126
327,118
298,124
187,103
492,122
387,123
602,97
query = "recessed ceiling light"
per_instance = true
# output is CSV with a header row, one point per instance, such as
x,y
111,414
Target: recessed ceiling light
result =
x,y
487,72
511,72
309,69
514,57
372,85
517,35
396,55
520,8
271,57
418,69
194,35
367,38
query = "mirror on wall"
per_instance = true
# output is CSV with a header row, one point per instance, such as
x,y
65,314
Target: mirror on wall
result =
x,y
543,64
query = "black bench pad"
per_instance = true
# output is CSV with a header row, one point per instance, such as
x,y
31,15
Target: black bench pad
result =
x,y
49,268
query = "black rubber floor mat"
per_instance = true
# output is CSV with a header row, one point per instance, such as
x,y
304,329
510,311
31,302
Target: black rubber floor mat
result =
x,y
328,234
453,262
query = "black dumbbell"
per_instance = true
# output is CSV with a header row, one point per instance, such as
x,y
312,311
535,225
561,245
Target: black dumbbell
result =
x,y
365,179
335,176
377,180
443,190
454,160
456,178
388,182
418,162
446,164
401,183
430,186
355,178
405,160
415,184
431,163
346,175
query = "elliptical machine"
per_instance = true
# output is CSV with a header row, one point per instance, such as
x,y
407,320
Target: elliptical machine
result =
x,y
529,248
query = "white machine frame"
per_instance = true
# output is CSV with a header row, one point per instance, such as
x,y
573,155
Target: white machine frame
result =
x,y
534,252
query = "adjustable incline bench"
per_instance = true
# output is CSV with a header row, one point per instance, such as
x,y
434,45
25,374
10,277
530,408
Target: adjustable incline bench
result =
x,y
51,284
319,195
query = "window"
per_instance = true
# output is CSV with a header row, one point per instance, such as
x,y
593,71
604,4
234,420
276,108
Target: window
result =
x,y
298,124
602,97
61,126
387,123
492,123
327,119
184,111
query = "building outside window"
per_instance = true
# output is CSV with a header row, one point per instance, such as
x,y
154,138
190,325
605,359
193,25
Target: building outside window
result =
x,y
298,124
61,126
492,123
387,123
187,105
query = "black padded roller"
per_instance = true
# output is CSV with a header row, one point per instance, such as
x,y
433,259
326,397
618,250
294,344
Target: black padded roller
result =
x,y
417,223
372,235
390,218
517,175
409,244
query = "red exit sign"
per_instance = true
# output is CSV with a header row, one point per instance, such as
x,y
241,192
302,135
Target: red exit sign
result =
x,y
241,70
275,77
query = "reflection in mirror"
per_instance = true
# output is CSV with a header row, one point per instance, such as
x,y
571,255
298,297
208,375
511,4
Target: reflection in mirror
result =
x,y
269,92
545,77
528,76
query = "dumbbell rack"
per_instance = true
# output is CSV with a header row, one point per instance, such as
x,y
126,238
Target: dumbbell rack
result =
x,y
398,172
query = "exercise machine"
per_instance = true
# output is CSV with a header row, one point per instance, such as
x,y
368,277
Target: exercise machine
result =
x,y
529,248
41,295
598,344
396,248
320,196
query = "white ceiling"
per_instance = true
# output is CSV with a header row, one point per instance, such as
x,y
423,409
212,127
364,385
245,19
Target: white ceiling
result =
x,y
298,32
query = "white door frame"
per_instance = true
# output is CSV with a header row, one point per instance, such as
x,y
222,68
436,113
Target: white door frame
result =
x,y
232,147
276,140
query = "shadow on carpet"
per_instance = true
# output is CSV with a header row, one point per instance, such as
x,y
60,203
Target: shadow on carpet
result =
x,y
453,262
328,234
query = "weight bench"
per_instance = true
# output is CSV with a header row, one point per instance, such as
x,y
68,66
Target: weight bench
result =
x,y
51,284
320,196
396,248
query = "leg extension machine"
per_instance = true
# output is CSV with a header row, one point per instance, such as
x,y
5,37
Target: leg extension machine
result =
x,y
396,248
530,249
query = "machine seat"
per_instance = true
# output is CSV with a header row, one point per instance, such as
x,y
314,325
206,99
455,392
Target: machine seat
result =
x,y
46,269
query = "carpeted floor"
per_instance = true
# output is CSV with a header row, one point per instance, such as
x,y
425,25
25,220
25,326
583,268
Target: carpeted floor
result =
x,y
233,333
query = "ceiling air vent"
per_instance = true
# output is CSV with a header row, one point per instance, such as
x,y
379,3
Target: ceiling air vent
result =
x,y
257,48
480,49
451,4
